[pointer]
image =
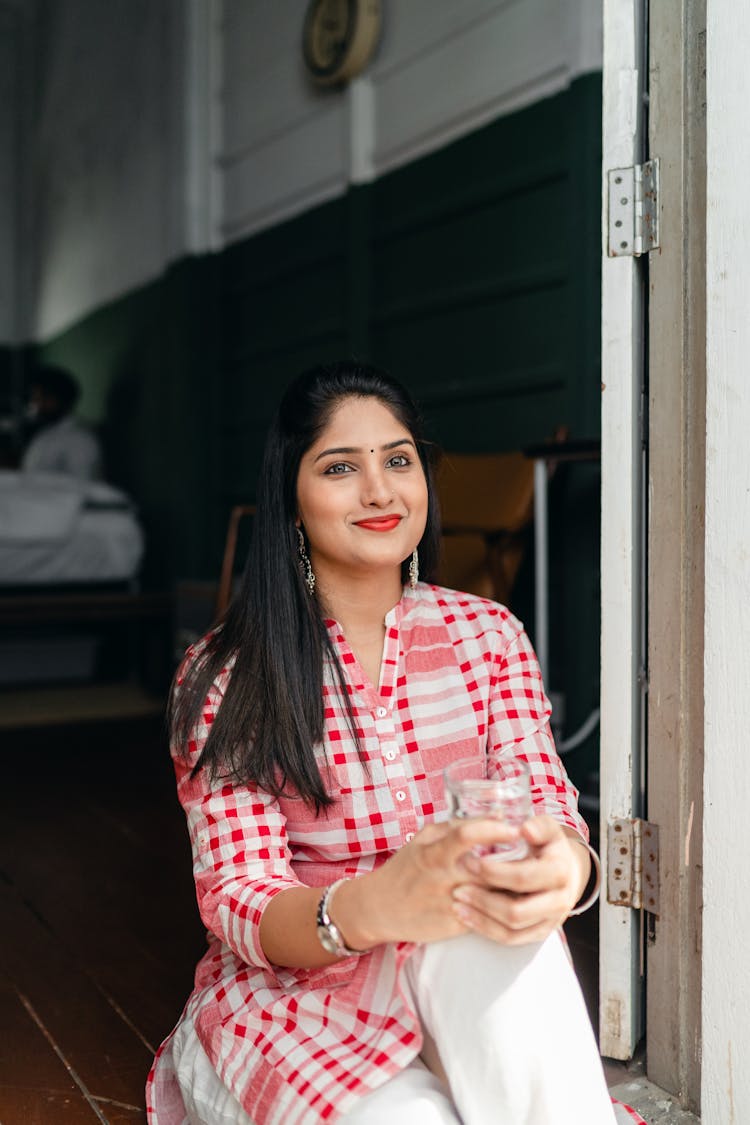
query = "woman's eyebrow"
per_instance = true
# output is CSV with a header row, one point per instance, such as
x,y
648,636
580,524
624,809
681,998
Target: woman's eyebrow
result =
x,y
358,449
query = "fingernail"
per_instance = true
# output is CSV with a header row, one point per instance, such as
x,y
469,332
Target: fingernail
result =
x,y
461,894
462,913
471,863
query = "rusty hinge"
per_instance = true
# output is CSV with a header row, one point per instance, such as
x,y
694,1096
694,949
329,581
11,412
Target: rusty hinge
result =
x,y
633,197
633,864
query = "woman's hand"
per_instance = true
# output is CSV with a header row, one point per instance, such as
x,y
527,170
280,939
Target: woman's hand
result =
x,y
411,896
525,900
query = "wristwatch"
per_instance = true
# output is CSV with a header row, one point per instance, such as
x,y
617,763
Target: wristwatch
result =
x,y
328,933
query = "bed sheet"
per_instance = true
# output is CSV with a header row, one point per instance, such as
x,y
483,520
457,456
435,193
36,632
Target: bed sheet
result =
x,y
55,530
103,547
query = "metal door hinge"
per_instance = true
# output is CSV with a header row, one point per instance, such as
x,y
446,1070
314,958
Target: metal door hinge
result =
x,y
633,864
634,209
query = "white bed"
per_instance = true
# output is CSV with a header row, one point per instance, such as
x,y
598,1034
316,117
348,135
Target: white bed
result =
x,y
55,530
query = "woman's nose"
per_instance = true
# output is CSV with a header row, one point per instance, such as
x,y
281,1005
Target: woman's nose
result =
x,y
375,488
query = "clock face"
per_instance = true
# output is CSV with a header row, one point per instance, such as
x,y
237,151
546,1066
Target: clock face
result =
x,y
328,33
339,38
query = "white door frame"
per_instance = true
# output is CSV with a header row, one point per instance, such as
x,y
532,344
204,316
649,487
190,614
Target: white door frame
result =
x,y
622,527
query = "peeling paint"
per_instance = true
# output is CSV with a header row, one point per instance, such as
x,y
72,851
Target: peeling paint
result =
x,y
730,1091
689,833
612,1022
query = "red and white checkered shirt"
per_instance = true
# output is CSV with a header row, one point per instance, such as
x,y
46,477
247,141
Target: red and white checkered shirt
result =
x,y
458,678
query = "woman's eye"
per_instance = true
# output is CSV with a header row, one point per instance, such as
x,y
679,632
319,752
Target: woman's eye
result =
x,y
337,469
399,461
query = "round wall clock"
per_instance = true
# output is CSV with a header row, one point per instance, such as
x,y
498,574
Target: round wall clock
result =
x,y
339,38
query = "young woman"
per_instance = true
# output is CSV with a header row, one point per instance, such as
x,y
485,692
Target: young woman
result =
x,y
364,965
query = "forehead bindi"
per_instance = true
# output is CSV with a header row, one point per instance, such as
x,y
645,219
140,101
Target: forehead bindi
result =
x,y
362,425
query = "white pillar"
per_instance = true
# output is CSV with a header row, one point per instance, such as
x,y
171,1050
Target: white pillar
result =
x,y
726,918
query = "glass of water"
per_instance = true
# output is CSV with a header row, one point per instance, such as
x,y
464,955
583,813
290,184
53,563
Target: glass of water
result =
x,y
493,789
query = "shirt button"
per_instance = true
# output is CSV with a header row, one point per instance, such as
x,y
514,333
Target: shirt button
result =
x,y
409,836
400,795
389,755
381,712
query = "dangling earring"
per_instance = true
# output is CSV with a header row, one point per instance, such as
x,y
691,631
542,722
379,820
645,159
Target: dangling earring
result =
x,y
414,569
304,564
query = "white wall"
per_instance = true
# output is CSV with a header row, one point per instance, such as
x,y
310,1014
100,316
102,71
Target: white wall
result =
x,y
105,152
726,912
443,69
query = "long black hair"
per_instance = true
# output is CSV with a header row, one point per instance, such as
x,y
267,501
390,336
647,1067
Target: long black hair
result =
x,y
273,634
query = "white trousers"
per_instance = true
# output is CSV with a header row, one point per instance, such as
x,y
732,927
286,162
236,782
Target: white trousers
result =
x,y
508,1025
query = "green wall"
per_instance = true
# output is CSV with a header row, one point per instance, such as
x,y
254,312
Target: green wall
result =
x,y
472,274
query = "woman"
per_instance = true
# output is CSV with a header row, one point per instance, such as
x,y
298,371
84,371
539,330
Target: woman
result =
x,y
364,965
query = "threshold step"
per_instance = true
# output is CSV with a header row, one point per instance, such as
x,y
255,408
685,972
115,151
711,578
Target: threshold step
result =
x,y
43,706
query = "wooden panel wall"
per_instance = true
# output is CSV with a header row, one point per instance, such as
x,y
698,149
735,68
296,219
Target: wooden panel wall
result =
x,y
472,274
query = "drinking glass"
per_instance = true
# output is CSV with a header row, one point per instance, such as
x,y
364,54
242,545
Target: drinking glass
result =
x,y
504,795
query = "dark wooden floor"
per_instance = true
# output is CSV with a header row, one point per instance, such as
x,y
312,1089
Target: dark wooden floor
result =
x,y
99,932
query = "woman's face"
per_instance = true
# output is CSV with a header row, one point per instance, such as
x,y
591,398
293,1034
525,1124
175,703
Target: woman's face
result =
x,y
361,493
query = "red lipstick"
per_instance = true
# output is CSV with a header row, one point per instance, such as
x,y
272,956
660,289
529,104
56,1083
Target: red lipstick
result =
x,y
380,523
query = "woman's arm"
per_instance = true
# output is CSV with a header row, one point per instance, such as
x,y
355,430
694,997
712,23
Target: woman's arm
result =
x,y
409,898
523,901
434,887
248,894
241,859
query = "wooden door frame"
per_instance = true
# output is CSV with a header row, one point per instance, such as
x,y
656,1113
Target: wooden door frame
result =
x,y
676,542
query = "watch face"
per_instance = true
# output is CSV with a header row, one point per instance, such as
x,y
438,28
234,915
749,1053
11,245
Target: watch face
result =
x,y
327,34
328,942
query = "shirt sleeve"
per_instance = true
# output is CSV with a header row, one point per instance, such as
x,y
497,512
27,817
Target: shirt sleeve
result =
x,y
64,449
241,857
81,456
518,726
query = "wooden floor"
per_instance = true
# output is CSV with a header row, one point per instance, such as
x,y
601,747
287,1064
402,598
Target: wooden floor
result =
x,y
99,932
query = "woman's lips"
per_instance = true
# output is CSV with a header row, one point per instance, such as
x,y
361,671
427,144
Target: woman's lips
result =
x,y
380,523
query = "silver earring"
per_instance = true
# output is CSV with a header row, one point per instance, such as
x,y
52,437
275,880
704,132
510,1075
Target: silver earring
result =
x,y
304,564
414,569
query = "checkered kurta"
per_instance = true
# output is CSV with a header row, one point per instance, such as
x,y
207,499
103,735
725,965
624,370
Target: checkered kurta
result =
x,y
458,678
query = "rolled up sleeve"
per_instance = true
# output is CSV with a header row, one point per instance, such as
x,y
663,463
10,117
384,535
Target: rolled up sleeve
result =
x,y
241,857
519,726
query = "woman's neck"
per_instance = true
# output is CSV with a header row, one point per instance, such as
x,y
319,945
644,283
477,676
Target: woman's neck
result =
x,y
360,607
360,603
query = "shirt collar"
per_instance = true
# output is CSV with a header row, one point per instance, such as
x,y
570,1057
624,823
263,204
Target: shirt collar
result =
x,y
409,599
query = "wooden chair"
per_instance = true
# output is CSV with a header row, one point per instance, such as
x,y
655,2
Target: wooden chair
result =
x,y
487,503
224,592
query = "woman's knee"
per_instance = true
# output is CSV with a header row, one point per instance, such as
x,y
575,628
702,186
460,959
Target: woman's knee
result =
x,y
412,1097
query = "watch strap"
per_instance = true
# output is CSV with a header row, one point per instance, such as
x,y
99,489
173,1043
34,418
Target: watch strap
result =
x,y
328,932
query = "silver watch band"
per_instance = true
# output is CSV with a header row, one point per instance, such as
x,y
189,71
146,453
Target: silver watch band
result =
x,y
329,934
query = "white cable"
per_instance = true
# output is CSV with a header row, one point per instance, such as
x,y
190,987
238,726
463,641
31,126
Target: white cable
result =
x,y
580,735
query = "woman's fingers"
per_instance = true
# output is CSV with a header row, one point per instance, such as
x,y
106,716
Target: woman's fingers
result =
x,y
525,876
501,933
442,888
514,914
541,830
550,864
462,836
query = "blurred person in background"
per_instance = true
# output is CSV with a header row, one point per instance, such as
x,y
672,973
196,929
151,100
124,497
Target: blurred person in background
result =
x,y
59,442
